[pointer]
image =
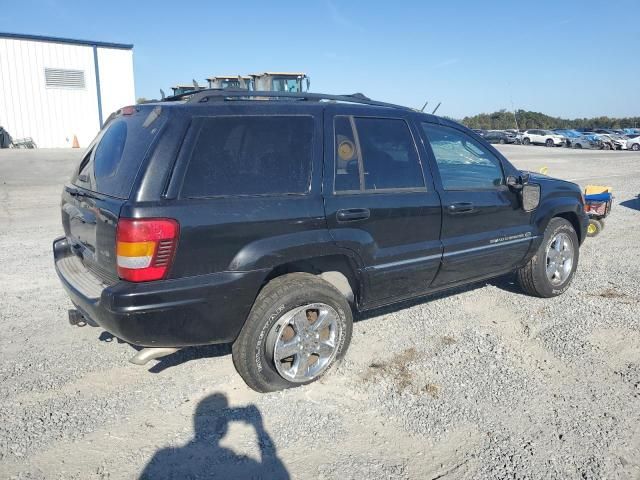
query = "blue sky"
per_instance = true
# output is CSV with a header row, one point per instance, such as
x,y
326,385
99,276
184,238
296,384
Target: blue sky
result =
x,y
566,58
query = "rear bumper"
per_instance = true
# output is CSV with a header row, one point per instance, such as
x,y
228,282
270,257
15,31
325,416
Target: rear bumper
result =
x,y
197,310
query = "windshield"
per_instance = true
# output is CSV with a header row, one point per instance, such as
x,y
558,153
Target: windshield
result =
x,y
287,85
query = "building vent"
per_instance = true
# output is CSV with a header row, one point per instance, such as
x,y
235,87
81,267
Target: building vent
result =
x,y
63,78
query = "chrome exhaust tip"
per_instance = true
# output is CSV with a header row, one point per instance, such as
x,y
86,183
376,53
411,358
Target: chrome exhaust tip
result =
x,y
150,353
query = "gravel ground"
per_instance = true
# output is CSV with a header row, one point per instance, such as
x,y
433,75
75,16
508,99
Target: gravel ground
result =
x,y
480,382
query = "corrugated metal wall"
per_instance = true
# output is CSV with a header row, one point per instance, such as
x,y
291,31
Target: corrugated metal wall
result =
x,y
52,115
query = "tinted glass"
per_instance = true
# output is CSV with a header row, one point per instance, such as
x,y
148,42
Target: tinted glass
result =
x,y
464,164
388,153
112,164
347,157
251,156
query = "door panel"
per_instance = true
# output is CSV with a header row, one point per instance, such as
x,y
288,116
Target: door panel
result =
x,y
394,230
484,229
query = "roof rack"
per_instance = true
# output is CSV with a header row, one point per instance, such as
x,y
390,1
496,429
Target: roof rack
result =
x,y
210,94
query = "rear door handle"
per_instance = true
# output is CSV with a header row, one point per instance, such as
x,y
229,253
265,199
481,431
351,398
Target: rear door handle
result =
x,y
460,207
352,214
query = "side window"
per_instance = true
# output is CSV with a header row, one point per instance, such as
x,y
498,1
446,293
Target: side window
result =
x,y
375,154
464,164
247,155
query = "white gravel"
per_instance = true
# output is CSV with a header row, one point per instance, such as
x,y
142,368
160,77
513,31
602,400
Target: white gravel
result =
x,y
481,382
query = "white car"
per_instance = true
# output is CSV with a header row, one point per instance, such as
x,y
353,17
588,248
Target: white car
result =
x,y
542,137
633,143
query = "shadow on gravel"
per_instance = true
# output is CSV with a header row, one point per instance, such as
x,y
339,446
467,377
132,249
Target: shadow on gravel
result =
x,y
190,353
506,282
204,458
633,204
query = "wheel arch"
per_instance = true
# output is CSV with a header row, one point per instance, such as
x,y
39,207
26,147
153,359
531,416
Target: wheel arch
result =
x,y
339,270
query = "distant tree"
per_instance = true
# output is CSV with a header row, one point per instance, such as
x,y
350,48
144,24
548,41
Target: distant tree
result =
x,y
503,119
142,100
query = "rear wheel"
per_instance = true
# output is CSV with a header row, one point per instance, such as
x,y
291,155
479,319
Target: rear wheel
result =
x,y
298,328
550,272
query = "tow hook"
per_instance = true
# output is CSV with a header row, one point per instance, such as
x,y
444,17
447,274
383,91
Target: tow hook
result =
x,y
146,354
77,319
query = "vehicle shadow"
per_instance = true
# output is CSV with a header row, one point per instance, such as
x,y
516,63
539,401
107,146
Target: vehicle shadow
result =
x,y
506,282
190,353
204,458
633,204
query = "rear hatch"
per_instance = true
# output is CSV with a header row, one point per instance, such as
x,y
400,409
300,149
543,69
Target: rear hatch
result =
x,y
102,183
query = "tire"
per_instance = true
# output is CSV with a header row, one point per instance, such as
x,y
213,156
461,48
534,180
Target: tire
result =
x,y
526,141
606,146
549,143
635,147
595,227
578,145
533,276
502,142
263,333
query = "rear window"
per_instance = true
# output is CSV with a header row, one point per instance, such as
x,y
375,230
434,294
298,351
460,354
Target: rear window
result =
x,y
111,165
251,156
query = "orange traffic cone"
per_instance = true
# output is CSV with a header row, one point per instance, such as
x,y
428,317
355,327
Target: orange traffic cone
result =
x,y
75,143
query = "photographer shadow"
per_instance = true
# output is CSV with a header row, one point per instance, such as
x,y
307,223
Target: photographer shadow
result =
x,y
204,458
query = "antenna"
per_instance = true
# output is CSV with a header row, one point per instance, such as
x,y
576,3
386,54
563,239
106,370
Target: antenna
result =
x,y
436,109
195,84
162,95
424,106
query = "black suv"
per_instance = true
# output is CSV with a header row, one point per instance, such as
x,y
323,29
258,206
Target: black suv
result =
x,y
267,220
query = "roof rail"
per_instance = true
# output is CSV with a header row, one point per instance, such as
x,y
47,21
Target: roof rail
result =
x,y
207,95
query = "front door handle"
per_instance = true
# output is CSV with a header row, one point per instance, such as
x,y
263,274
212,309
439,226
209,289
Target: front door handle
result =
x,y
352,214
460,207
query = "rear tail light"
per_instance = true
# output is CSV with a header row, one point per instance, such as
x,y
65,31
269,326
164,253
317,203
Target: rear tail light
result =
x,y
145,248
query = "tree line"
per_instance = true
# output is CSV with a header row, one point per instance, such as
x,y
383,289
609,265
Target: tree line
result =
x,y
504,119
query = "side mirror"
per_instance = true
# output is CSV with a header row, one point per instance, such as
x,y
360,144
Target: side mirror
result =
x,y
514,183
530,196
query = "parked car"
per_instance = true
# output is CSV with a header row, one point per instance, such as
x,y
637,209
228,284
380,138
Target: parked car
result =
x,y
265,221
568,135
633,143
615,142
542,137
587,140
497,136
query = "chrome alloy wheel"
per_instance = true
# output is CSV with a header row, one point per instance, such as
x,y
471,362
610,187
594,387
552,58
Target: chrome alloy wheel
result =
x,y
559,259
305,341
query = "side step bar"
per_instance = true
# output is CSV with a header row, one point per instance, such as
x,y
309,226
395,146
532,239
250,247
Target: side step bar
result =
x,y
147,354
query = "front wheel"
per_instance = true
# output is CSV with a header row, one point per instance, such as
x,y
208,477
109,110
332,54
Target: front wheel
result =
x,y
526,141
635,147
551,270
298,328
502,142
549,143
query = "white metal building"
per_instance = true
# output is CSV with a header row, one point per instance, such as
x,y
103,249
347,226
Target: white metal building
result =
x,y
52,89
